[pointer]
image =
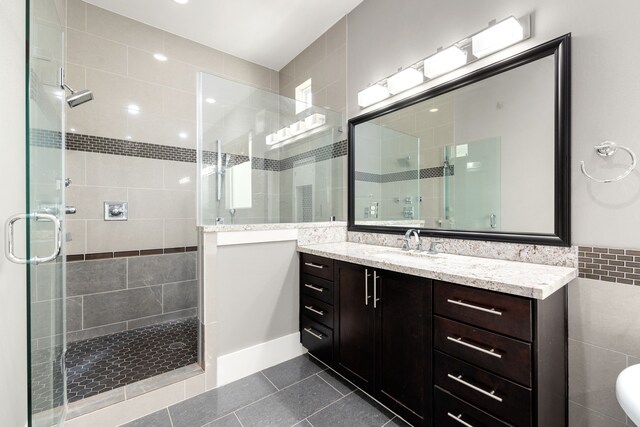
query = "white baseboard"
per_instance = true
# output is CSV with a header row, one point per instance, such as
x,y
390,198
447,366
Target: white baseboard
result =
x,y
247,361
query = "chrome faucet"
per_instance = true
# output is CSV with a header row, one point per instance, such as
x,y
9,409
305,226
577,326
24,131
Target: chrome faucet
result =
x,y
433,247
406,239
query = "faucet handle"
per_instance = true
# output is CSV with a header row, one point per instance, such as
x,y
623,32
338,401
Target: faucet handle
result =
x,y
433,246
405,243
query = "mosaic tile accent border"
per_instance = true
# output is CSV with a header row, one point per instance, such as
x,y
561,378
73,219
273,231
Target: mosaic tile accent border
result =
x,y
424,173
609,264
128,254
120,147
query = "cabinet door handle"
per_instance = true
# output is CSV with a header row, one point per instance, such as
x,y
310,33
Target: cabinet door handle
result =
x,y
475,307
375,289
474,347
315,288
459,419
310,264
310,331
310,308
366,286
490,394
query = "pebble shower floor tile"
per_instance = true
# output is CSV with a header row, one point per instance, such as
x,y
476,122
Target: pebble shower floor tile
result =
x,y
104,363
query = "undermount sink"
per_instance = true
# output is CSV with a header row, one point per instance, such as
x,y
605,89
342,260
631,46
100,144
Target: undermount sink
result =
x,y
628,392
402,256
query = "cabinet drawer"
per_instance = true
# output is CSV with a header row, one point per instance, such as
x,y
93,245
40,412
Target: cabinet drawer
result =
x,y
505,314
317,310
449,411
505,356
318,339
317,288
489,392
317,266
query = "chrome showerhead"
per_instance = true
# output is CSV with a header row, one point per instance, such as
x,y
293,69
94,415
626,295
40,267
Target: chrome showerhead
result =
x,y
79,97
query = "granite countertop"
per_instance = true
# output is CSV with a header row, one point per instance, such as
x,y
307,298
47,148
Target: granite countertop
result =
x,y
273,226
517,278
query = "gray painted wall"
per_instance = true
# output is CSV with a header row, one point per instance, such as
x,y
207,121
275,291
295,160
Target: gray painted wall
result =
x,y
257,292
13,323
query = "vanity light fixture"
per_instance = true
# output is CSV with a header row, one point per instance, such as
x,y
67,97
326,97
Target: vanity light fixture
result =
x,y
372,94
160,57
312,122
444,61
495,37
403,80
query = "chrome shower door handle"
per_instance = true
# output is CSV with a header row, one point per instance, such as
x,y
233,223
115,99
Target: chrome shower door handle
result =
x,y
9,238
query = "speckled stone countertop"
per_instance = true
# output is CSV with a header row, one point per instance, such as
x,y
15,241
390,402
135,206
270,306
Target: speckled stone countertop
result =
x,y
511,277
273,226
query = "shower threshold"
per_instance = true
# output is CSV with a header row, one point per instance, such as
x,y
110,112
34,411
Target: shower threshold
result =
x,y
100,371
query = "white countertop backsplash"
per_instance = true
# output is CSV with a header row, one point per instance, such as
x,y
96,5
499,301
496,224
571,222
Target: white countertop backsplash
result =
x,y
517,278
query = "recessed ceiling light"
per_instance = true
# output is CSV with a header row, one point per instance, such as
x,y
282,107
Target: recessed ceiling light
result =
x,y
133,109
72,129
160,57
183,135
128,137
210,101
434,110
181,1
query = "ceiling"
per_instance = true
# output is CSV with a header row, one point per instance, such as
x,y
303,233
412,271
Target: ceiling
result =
x,y
267,32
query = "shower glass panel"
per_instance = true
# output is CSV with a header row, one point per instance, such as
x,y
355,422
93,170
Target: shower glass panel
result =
x,y
46,281
387,177
471,186
260,162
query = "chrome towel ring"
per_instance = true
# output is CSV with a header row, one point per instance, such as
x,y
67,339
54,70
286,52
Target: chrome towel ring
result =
x,y
606,149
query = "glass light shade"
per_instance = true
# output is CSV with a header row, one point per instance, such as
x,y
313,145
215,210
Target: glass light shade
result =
x,y
272,139
298,127
503,34
372,94
405,79
315,120
444,61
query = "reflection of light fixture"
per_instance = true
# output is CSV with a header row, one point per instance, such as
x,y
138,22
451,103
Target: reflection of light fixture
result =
x,y
372,94
444,61
184,180
72,129
434,110
465,51
311,122
210,101
183,135
133,109
403,80
160,57
497,37
181,1
128,137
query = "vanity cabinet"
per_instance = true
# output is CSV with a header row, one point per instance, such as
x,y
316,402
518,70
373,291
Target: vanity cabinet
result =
x,y
437,353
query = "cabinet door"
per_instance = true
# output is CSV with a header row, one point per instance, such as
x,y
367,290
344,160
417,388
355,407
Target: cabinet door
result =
x,y
354,324
403,367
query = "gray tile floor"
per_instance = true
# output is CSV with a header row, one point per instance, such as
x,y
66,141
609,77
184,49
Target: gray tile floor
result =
x,y
300,392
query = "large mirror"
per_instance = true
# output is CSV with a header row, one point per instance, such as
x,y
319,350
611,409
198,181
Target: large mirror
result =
x,y
483,157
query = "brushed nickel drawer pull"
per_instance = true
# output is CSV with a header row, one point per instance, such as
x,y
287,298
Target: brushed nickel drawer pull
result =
x,y
315,288
310,308
475,307
310,331
483,350
310,264
459,419
491,394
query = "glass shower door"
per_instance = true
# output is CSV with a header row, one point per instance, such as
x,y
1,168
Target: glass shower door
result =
x,y
45,207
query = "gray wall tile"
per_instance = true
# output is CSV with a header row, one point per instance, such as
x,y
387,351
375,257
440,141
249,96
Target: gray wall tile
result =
x,y
161,269
86,334
90,277
179,296
146,321
74,314
119,306
579,416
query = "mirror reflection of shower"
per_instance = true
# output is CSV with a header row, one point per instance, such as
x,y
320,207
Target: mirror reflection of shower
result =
x,y
221,172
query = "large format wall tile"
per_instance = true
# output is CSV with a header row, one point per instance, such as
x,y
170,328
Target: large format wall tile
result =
x,y
96,52
119,306
592,378
179,296
161,269
96,276
113,236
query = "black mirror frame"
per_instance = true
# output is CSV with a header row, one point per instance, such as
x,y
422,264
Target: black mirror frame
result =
x,y
560,49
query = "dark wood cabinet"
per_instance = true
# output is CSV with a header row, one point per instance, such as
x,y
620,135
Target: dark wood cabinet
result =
x,y
383,337
437,353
